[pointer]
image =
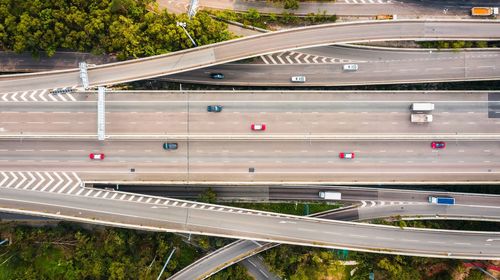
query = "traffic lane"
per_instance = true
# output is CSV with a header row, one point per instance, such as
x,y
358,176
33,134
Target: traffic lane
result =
x,y
418,70
264,151
162,98
249,104
232,123
140,165
420,196
382,55
260,227
339,123
427,210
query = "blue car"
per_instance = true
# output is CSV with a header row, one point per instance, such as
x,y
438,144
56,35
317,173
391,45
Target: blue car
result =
x,y
214,108
217,76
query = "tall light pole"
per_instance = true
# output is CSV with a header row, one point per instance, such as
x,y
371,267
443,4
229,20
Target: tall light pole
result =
x,y
193,7
183,25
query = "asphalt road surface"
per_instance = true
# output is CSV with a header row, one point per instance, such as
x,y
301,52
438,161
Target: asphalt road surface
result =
x,y
153,118
162,214
322,66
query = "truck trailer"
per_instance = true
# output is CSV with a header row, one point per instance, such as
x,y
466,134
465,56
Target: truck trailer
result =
x,y
330,195
422,107
441,200
421,118
484,11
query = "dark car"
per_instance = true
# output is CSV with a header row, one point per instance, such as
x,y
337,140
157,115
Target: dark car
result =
x,y
214,108
170,146
218,76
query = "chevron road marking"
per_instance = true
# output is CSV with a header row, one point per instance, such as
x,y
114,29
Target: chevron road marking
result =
x,y
42,95
13,181
22,181
60,181
50,182
5,178
41,182
23,96
67,184
33,179
14,96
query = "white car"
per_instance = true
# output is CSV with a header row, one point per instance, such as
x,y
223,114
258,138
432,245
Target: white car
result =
x,y
298,79
350,67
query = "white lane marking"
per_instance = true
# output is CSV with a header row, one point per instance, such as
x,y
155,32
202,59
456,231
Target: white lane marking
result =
x,y
363,203
88,193
51,180
67,184
22,181
97,194
5,178
59,183
39,183
131,198
123,196
33,179
13,181
80,191
114,195
149,199
372,203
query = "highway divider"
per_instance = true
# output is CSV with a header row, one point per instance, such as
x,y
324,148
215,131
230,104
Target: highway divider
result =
x,y
263,137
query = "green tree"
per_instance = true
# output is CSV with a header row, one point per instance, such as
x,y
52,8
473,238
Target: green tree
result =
x,y
208,196
291,4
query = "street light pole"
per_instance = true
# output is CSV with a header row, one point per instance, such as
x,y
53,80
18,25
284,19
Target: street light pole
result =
x,y
183,25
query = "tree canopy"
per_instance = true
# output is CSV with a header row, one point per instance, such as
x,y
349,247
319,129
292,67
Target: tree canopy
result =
x,y
127,28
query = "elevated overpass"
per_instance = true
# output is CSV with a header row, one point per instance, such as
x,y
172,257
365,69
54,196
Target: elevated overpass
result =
x,y
164,214
233,50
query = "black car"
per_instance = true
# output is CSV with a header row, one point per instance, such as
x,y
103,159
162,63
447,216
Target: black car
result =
x,y
170,146
214,108
218,76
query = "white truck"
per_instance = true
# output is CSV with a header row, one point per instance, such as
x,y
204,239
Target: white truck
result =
x,y
421,112
421,118
422,107
330,195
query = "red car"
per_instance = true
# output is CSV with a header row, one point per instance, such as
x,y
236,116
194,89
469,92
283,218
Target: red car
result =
x,y
346,155
258,127
96,156
438,145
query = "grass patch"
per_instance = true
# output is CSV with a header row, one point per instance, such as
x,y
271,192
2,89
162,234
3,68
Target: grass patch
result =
x,y
300,209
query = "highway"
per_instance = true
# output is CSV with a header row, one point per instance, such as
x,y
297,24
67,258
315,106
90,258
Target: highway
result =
x,y
322,66
299,145
161,214
238,49
470,207
302,113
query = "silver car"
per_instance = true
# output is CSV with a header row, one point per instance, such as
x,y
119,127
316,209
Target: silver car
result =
x,y
298,79
350,67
